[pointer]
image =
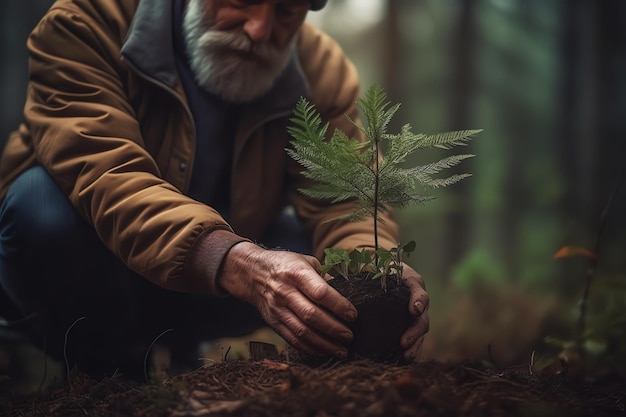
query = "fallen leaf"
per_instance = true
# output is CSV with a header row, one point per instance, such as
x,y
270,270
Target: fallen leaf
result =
x,y
571,251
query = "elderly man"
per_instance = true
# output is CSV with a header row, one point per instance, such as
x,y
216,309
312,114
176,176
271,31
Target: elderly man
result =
x,y
152,158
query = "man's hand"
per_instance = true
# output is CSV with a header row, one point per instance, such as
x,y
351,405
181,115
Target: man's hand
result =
x,y
291,295
413,338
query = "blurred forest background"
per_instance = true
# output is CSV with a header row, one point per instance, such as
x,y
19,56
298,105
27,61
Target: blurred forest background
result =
x,y
546,80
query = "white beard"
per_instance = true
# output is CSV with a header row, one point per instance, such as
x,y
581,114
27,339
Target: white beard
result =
x,y
228,64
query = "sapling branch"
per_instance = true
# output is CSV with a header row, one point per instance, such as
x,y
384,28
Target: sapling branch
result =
x,y
376,141
357,170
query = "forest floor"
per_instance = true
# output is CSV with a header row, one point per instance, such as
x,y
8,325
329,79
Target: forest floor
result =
x,y
509,374
276,388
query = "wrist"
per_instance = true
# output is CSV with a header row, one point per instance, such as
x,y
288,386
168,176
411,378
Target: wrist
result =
x,y
233,270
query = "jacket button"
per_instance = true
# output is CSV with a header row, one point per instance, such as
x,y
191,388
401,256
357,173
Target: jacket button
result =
x,y
182,167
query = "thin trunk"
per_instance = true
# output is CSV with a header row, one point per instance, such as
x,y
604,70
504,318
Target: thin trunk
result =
x,y
463,56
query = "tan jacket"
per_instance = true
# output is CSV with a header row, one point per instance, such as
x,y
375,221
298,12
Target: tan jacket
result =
x,y
107,116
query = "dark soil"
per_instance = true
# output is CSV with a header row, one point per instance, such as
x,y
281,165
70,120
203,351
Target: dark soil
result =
x,y
358,388
383,317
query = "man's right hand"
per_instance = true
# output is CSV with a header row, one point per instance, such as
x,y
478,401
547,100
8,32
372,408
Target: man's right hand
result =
x,y
289,292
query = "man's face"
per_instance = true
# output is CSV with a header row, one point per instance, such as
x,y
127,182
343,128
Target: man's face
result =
x,y
237,48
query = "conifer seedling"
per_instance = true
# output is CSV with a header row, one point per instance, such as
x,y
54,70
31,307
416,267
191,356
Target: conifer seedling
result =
x,y
370,173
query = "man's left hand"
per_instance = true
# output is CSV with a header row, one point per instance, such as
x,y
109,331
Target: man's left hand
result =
x,y
413,338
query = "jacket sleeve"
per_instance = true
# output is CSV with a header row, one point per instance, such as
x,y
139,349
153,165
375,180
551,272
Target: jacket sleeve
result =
x,y
86,134
335,91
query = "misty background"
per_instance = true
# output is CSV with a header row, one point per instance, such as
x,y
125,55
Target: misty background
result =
x,y
546,80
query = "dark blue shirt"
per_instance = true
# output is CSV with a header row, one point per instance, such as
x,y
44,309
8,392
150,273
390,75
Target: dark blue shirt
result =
x,y
215,121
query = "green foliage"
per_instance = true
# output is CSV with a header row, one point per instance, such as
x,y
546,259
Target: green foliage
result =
x,y
478,268
602,343
341,263
387,263
346,169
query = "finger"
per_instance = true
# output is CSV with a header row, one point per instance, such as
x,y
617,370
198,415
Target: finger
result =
x,y
290,338
312,315
326,295
304,338
419,297
419,303
318,291
415,331
314,262
414,354
411,278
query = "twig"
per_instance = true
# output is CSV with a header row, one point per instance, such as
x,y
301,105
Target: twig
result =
x,y
67,332
491,357
593,265
145,358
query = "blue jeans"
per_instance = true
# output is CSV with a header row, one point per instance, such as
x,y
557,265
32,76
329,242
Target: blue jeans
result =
x,y
56,270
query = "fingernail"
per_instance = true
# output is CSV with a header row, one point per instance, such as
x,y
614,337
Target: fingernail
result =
x,y
351,315
341,354
346,337
419,307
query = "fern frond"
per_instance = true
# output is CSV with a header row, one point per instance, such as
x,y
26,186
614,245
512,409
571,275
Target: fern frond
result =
x,y
375,107
444,182
339,166
399,189
401,145
447,140
307,123
436,167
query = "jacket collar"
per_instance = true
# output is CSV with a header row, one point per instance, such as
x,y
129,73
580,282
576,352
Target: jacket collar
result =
x,y
149,47
149,44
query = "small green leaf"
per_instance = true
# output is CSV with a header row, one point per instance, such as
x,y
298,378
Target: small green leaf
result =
x,y
409,247
595,347
560,343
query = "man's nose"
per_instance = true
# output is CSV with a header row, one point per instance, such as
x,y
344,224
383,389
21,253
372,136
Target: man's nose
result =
x,y
260,22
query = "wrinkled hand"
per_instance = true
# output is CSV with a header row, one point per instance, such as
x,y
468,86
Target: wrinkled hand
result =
x,y
413,337
291,295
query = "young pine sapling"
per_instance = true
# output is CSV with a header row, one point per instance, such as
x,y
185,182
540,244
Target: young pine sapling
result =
x,y
345,168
